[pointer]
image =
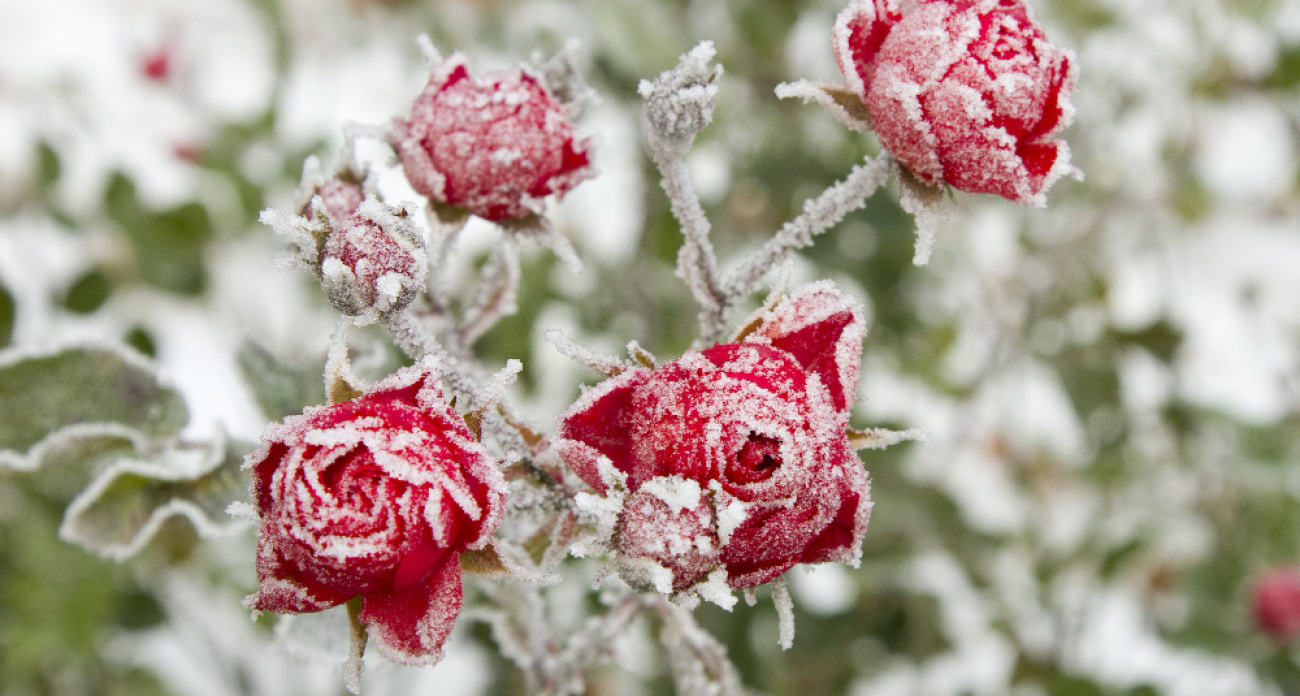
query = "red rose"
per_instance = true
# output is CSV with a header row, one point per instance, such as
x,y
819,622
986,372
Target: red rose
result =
x,y
735,457
494,145
967,92
375,497
1276,600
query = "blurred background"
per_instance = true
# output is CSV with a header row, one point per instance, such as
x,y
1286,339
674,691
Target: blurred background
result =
x,y
1111,385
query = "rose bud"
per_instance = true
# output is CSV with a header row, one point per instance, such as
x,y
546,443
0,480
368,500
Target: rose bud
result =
x,y
372,260
374,497
1276,601
964,92
339,198
494,145
735,457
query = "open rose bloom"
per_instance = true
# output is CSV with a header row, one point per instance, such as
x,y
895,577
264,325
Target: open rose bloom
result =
x,y
967,92
735,457
494,145
375,497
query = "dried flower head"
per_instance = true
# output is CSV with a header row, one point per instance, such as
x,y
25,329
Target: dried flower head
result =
x,y
375,497
494,145
735,457
967,92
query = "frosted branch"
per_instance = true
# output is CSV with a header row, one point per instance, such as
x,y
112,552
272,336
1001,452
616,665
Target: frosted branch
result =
x,y
880,438
679,104
496,295
819,214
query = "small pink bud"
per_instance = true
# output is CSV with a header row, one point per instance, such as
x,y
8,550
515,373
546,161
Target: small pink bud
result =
x,y
964,92
1276,600
372,259
494,145
375,497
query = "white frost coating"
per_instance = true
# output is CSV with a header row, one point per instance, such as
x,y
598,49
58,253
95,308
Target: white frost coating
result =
x,y
600,362
730,514
714,589
243,511
679,104
496,387
784,612
644,574
819,214
678,492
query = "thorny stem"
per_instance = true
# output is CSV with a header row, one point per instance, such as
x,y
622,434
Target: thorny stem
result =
x,y
696,263
819,214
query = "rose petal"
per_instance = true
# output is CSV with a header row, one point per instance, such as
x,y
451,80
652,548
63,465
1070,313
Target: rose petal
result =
x,y
823,329
411,625
600,419
281,588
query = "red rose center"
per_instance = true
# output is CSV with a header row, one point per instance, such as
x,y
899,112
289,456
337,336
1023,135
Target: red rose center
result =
x,y
756,461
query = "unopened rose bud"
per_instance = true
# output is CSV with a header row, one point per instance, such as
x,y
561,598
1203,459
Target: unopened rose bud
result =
x,y
372,260
1276,601
964,92
494,145
679,104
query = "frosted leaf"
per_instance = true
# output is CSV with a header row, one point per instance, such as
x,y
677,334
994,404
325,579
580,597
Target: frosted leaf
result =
x,y
600,362
784,613
563,78
495,390
126,504
641,356
880,438
498,561
427,49
929,206
844,104
78,401
751,596
679,103
280,388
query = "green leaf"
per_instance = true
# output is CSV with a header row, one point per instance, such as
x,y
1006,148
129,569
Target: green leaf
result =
x,y
168,244
281,390
97,393
88,292
126,504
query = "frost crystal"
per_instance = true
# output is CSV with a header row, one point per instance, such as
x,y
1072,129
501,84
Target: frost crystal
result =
x,y
736,459
967,92
375,497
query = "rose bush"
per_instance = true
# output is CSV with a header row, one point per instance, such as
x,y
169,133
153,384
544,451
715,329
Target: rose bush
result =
x,y
494,145
967,92
375,497
735,457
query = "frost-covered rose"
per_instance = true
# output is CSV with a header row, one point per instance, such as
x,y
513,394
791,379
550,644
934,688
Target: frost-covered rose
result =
x,y
494,145
375,497
373,257
735,457
1276,600
967,92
